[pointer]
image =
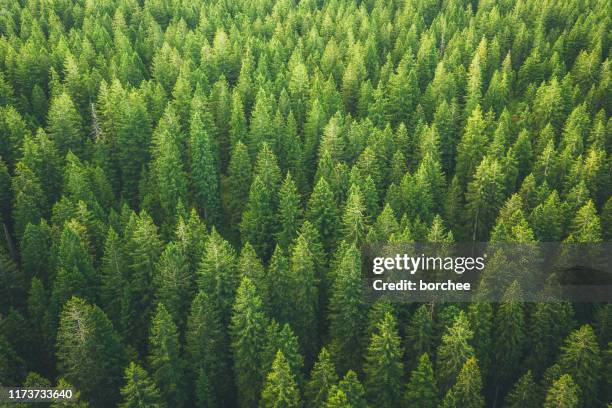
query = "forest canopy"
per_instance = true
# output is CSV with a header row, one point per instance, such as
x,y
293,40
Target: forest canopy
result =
x,y
186,187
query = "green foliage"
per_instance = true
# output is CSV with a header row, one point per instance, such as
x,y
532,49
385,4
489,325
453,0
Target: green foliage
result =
x,y
563,393
144,144
89,352
422,390
139,390
248,334
322,379
280,389
383,367
467,391
166,364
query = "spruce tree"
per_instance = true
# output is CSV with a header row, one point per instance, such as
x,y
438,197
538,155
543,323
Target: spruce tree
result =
x,y
248,337
322,378
525,393
165,362
454,351
89,352
139,390
422,390
383,365
207,351
290,212
467,391
564,393
204,173
280,389
580,358
347,312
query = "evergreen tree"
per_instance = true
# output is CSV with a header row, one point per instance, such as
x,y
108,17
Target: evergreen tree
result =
x,y
510,335
302,289
280,389
259,221
290,212
238,181
29,202
467,391
484,198
204,174
323,214
419,335
383,365
346,311
563,393
174,283
65,126
207,350
89,352
422,390
353,390
165,361
322,378
139,390
580,359
454,351
525,393
218,275
247,329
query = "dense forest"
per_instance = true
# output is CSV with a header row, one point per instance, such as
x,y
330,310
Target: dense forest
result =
x,y
186,187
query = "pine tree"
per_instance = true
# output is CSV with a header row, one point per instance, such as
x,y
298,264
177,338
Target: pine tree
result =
x,y
174,283
346,312
353,390
29,202
290,212
467,391
563,394
484,198
419,335
238,181
143,248
323,214
167,167
65,126
586,226
207,350
280,389
36,250
302,289
204,174
551,322
580,358
480,316
337,399
139,390
165,361
470,149
525,393
422,390
383,365
322,378
247,329
454,351
113,288
284,340
259,220
218,276
510,335
354,217
89,352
